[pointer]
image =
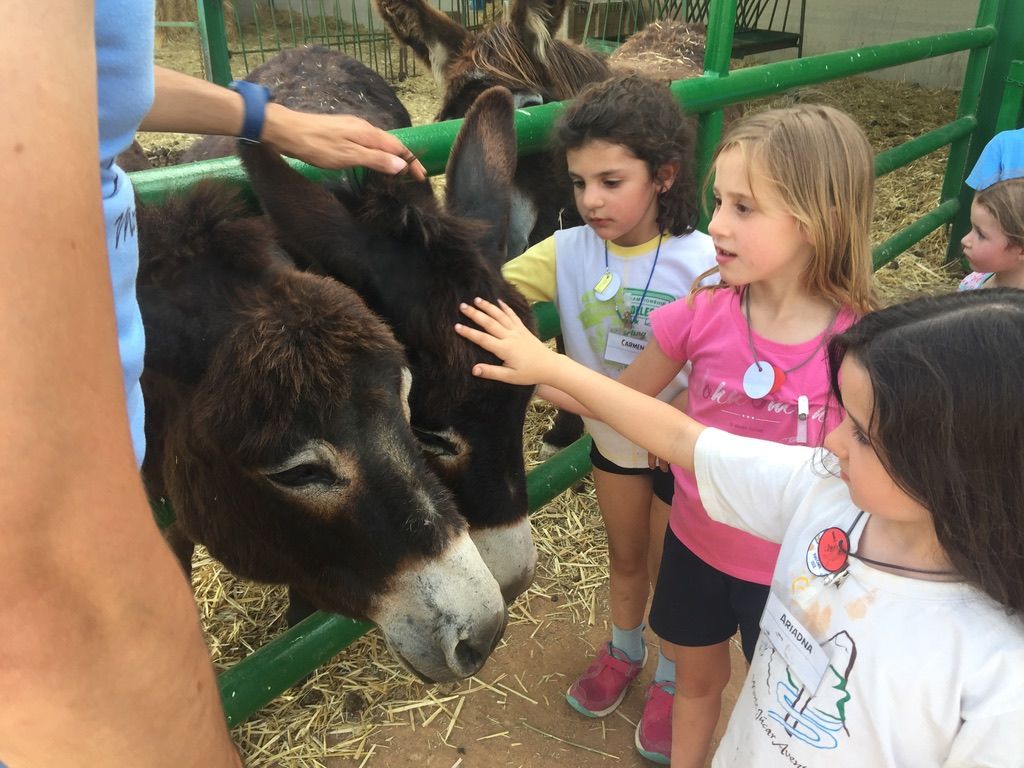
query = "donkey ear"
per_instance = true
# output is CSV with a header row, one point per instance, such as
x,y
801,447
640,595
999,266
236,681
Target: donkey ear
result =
x,y
481,168
178,342
536,22
312,225
433,37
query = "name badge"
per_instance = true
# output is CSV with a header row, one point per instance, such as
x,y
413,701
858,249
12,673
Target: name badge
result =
x,y
622,348
805,658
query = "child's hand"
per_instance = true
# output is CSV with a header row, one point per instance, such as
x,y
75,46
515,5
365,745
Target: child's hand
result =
x,y
505,336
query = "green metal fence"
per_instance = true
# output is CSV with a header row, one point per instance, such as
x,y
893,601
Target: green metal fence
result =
x,y
238,40
994,42
760,25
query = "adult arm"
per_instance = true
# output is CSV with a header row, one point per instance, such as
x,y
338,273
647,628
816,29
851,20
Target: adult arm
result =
x,y
102,661
186,104
657,426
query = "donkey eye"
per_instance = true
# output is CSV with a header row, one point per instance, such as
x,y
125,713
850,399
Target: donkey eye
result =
x,y
304,475
435,443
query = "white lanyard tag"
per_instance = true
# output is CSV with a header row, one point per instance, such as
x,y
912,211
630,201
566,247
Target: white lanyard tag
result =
x,y
806,659
803,410
622,348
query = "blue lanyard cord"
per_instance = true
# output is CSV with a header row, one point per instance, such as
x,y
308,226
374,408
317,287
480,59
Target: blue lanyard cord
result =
x,y
636,312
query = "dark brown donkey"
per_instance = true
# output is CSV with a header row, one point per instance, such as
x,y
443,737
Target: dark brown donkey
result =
x,y
277,423
413,261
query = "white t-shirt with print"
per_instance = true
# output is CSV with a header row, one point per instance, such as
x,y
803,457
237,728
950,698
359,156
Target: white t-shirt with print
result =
x,y
921,674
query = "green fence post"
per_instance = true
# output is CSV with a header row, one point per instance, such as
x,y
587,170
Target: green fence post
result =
x,y
981,94
721,26
1013,97
214,39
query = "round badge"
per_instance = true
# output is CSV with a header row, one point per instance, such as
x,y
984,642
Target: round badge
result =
x,y
833,548
759,380
608,286
814,564
780,379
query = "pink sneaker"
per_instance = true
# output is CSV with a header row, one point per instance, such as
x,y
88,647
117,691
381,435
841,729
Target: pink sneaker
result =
x,y
600,689
654,732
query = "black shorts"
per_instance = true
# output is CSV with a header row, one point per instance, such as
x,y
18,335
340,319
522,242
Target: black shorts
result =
x,y
696,605
664,483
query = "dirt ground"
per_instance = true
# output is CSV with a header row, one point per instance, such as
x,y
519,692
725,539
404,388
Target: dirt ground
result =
x,y
524,721
362,711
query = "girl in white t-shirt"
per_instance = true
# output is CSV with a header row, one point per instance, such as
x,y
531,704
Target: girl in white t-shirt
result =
x,y
995,244
893,633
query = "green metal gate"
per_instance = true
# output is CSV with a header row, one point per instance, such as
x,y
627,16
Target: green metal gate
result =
x,y
996,39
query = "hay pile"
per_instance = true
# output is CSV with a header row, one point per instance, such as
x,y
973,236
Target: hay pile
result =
x,y
663,50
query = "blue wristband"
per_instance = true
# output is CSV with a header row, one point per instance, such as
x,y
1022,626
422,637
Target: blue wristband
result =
x,y
255,98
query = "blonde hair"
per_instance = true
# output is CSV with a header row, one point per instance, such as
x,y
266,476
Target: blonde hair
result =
x,y
1005,201
818,162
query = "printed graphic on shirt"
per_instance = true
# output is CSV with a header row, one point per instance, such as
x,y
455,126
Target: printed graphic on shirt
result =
x,y
624,314
789,713
744,415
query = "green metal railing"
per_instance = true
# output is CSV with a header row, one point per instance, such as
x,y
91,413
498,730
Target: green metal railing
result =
x,y
997,35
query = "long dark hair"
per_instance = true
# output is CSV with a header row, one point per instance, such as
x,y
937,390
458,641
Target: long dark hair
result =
x,y
641,115
947,375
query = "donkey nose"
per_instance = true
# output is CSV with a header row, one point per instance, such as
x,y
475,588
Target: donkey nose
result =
x,y
470,653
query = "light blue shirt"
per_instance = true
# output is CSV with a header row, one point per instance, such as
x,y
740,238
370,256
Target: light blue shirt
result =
x,y
124,72
1001,159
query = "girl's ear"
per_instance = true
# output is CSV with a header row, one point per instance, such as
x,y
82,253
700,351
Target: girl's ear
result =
x,y
666,176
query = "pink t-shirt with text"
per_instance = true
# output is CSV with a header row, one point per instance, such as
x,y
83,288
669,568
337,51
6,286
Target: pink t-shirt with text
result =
x,y
712,335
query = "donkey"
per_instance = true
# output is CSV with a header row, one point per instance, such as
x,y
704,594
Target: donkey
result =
x,y
278,426
413,261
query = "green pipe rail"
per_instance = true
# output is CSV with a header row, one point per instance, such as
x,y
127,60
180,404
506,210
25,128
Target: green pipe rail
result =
x,y
997,35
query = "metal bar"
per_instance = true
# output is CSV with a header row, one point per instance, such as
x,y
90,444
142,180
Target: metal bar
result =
x,y
703,93
279,664
721,27
980,95
546,317
214,39
432,143
917,231
558,473
908,152
1013,97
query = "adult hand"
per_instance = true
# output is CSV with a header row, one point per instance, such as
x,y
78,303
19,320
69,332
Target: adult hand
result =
x,y
338,141
186,104
527,359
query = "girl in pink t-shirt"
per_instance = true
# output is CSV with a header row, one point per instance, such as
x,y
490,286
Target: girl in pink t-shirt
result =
x,y
793,195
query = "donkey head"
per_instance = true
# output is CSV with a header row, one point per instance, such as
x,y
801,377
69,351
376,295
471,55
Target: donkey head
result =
x,y
518,52
414,261
277,419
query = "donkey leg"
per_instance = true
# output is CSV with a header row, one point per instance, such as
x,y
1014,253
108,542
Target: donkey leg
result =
x,y
299,607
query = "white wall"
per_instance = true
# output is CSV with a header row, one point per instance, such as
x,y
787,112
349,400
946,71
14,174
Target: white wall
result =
x,y
835,25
